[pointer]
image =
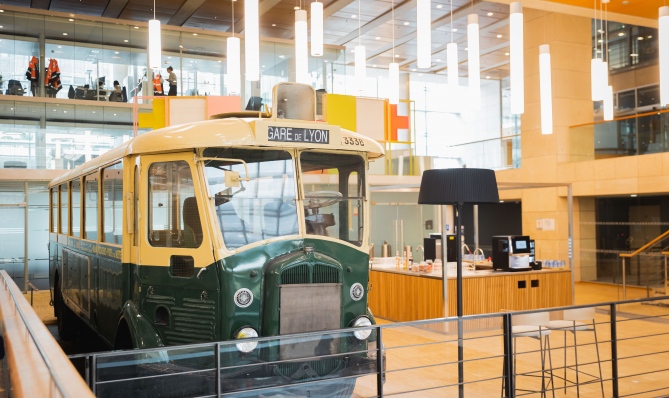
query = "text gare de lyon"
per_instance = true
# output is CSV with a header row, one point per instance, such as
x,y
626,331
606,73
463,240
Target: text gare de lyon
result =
x,y
296,134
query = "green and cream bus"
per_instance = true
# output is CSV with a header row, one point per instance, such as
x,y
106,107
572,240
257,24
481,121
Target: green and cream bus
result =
x,y
249,224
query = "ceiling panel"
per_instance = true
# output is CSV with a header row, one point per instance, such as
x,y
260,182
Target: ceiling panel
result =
x,y
142,10
88,7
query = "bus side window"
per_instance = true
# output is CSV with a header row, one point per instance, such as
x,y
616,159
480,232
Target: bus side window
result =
x,y
173,217
63,209
54,209
76,207
112,203
91,207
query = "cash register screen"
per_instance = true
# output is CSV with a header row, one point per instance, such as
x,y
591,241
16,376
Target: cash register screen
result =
x,y
521,244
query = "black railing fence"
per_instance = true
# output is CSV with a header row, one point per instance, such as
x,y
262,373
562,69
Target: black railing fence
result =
x,y
614,349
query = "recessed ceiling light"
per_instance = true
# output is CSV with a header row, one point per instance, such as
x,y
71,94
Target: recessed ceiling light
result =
x,y
650,37
438,60
281,56
621,34
325,60
263,66
507,54
273,24
219,61
599,41
169,57
439,6
490,14
125,40
634,55
71,20
64,34
634,196
406,23
413,70
194,34
487,77
499,36
136,27
114,114
115,52
60,47
639,38
600,31
353,16
397,55
373,66
378,38
466,48
2,10
454,30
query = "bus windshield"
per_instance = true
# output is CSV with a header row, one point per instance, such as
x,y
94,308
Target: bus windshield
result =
x,y
259,209
333,195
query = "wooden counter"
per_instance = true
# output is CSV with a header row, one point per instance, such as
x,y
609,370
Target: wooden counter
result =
x,y
407,296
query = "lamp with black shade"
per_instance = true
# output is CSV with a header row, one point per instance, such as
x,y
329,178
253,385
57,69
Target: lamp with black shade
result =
x,y
457,187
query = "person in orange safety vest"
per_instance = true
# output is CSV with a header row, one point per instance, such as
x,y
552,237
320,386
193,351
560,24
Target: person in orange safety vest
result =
x,y
158,85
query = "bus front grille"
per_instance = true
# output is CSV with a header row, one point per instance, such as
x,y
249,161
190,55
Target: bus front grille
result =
x,y
193,322
304,274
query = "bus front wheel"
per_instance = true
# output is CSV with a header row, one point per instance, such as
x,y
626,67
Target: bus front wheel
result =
x,y
67,320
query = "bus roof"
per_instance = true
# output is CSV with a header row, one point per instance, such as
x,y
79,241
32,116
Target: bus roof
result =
x,y
232,132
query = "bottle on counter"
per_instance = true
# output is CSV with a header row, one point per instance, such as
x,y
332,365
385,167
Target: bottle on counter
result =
x,y
404,260
397,259
410,259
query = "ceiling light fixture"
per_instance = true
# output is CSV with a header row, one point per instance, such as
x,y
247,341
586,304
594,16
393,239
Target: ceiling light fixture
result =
x,y
71,20
664,54
155,46
394,67
424,34
378,38
517,68
353,16
252,40
296,8
406,23
454,30
474,61
234,83
490,14
439,6
545,89
413,70
438,60
316,29
273,24
301,48
360,58
499,36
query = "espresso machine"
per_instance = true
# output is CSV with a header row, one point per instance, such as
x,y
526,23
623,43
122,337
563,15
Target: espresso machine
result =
x,y
511,253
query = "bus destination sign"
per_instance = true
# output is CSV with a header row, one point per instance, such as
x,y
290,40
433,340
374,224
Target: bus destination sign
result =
x,y
298,134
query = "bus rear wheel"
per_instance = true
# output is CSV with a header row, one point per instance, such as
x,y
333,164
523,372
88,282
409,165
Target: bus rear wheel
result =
x,y
68,321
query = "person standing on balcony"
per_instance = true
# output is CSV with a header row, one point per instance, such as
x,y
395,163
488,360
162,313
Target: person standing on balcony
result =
x,y
172,81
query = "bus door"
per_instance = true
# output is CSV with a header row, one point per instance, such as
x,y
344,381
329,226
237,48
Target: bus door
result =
x,y
179,284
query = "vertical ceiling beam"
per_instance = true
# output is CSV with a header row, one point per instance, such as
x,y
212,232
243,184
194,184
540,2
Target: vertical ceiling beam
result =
x,y
184,12
387,16
114,8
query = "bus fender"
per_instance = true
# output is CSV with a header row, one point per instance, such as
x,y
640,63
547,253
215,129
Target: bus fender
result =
x,y
144,334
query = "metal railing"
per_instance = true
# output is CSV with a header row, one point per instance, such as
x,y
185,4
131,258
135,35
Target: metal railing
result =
x,y
209,369
653,244
57,387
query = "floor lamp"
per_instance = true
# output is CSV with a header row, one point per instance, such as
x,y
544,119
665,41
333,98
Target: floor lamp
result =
x,y
457,187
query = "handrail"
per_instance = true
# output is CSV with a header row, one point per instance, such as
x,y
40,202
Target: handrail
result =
x,y
621,118
644,247
21,358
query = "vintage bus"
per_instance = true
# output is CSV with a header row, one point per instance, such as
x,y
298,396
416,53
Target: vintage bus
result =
x,y
249,224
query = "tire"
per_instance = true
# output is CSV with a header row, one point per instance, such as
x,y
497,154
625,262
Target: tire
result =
x,y
68,322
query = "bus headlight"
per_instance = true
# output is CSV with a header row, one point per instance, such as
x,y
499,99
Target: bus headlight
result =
x,y
362,321
246,332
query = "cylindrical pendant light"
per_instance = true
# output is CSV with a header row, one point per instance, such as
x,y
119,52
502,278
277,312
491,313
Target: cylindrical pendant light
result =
x,y
608,103
301,49
394,80
316,29
452,63
664,55
474,61
154,44
360,67
517,70
424,34
595,71
252,40
545,89
233,64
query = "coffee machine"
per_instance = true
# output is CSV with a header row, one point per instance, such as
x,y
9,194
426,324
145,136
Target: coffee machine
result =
x,y
511,253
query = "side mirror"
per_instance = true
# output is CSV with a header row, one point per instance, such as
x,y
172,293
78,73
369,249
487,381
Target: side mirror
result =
x,y
231,178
